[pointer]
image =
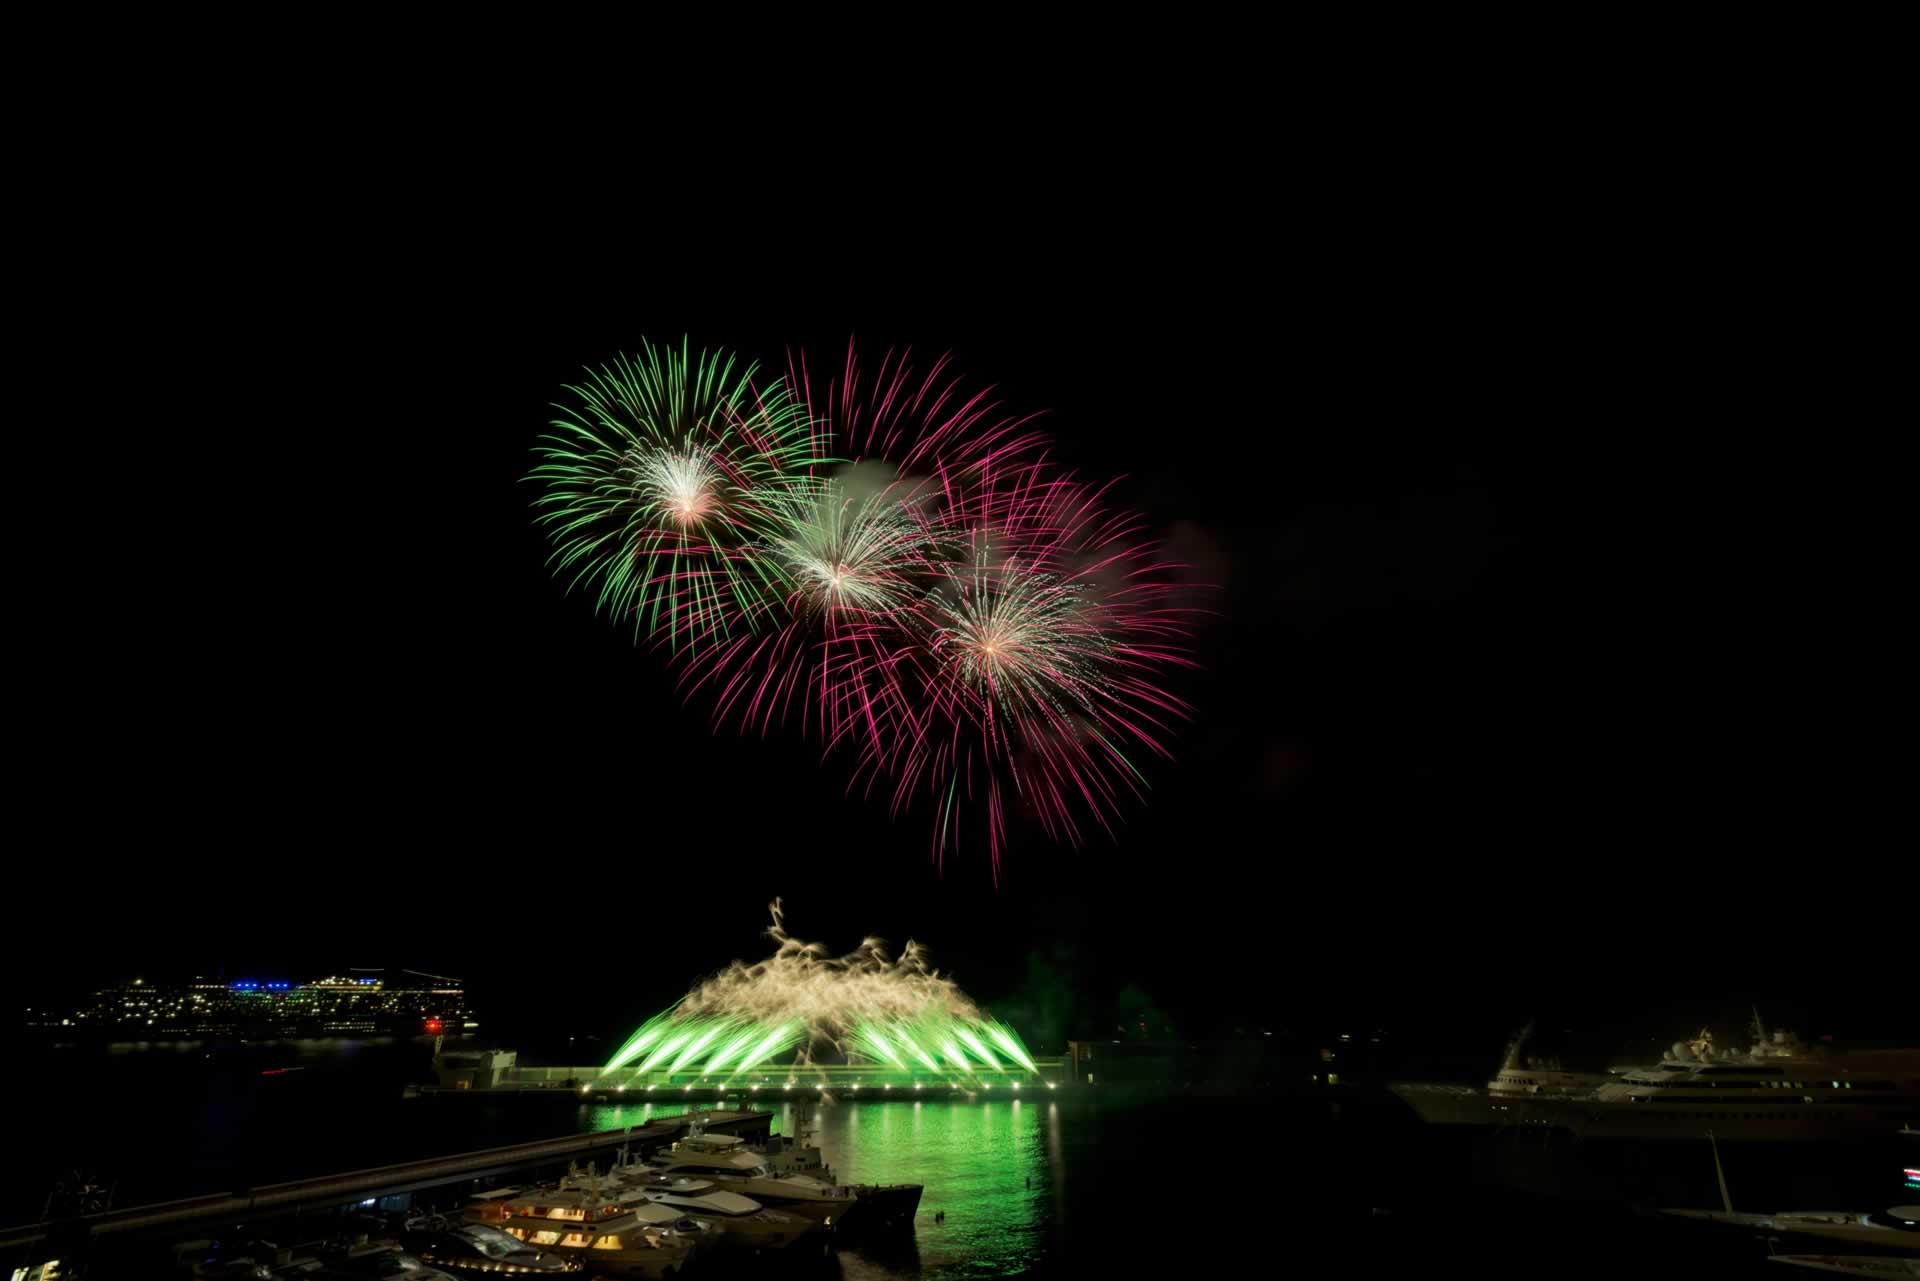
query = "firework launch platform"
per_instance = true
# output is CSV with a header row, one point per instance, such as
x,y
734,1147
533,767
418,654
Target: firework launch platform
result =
x,y
492,1074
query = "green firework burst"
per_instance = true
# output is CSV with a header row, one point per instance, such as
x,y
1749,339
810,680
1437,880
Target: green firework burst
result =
x,y
660,479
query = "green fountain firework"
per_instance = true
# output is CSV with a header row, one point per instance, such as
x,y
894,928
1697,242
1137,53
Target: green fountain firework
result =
x,y
661,481
897,1016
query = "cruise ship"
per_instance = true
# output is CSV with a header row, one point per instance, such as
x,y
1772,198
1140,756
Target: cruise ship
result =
x,y
351,1002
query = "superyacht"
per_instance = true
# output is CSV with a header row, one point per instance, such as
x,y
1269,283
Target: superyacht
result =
x,y
1525,1090
1780,1088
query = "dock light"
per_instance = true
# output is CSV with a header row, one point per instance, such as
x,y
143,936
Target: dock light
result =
x,y
649,1089
689,1087
619,1089
916,1085
887,1086
1052,1086
1016,1085
756,1089
585,1089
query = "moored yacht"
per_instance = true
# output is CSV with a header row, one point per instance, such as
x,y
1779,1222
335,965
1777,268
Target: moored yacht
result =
x,y
1524,1090
1532,1077
1897,1229
742,1220
583,1217
730,1163
879,1206
1779,1089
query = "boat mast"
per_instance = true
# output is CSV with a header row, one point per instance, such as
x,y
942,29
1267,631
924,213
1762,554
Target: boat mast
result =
x,y
1726,1202
1512,1061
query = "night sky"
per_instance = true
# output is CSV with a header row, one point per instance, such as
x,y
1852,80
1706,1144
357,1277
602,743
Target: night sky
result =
x,y
1449,765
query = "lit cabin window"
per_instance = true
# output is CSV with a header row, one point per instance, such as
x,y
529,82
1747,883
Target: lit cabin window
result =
x,y
607,1243
545,1236
579,1239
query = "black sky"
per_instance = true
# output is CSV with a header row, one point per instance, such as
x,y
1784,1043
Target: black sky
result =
x,y
1462,740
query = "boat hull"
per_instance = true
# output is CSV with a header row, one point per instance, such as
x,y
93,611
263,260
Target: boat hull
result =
x,y
1760,1122
1855,1265
1468,1105
1762,1119
887,1208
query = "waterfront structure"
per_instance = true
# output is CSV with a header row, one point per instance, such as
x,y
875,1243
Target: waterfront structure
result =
x,y
404,1002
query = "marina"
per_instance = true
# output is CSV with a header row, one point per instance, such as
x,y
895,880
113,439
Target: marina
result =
x,y
1017,1183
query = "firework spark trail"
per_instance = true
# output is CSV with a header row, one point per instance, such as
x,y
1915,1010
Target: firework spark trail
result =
x,y
895,1012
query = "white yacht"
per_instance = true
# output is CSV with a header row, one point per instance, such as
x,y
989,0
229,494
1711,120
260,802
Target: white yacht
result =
x,y
582,1216
881,1207
1897,1229
1524,1090
729,1162
739,1220
1533,1077
744,1221
788,1155
1778,1089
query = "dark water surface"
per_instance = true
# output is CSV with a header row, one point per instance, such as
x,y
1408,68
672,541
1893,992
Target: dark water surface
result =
x,y
1043,1185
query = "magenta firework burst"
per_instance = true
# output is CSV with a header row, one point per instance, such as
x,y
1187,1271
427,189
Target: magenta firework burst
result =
x,y
893,566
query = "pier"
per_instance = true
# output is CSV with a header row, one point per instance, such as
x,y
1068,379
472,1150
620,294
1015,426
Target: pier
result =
x,y
494,1073
348,1187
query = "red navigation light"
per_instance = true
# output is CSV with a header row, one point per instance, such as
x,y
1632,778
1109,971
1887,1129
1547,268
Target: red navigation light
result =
x,y
433,1025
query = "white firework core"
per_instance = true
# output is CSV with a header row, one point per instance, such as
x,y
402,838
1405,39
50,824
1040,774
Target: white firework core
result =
x,y
845,552
1022,639
682,483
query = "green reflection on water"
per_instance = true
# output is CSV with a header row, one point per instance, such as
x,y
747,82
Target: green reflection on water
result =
x,y
991,1166
976,1160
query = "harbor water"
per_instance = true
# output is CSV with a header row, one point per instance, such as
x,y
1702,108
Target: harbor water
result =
x,y
1045,1184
